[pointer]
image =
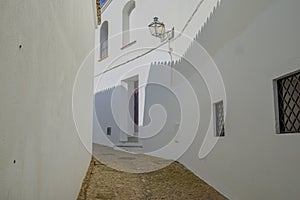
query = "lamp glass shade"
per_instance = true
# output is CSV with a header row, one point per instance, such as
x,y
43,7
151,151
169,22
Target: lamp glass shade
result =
x,y
157,28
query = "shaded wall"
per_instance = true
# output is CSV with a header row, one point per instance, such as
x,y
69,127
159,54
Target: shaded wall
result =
x,y
252,43
104,117
112,103
42,46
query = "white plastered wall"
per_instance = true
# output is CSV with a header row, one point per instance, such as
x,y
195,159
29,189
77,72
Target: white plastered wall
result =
x,y
41,155
252,43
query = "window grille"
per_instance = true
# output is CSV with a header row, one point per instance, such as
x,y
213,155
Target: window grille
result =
x,y
288,93
219,119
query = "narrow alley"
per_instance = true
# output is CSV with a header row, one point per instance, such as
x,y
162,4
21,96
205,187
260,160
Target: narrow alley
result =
x,y
172,182
150,100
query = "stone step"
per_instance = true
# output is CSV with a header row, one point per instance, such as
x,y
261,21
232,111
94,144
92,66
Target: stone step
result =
x,y
130,145
133,139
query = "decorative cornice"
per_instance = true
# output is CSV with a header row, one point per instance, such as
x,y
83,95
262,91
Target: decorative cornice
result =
x,y
98,12
179,60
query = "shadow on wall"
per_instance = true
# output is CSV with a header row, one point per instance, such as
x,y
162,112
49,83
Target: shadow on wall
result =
x,y
104,115
113,100
157,94
247,16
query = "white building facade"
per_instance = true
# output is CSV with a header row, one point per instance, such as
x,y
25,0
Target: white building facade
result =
x,y
225,103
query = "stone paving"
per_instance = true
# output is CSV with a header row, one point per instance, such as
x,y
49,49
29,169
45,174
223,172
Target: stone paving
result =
x,y
119,175
128,162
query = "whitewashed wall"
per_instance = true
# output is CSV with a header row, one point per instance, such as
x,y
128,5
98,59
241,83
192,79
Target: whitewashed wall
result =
x,y
252,42
37,130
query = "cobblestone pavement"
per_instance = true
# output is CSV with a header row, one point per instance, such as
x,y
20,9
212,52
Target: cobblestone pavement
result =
x,y
172,182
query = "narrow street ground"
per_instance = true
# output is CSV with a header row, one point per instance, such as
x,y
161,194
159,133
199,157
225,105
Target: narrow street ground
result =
x,y
172,182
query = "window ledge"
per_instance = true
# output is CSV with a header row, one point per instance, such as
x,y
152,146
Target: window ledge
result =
x,y
288,133
128,45
102,58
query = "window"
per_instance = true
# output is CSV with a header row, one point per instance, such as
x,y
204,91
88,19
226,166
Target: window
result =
x,y
127,10
108,130
219,119
287,98
136,106
104,40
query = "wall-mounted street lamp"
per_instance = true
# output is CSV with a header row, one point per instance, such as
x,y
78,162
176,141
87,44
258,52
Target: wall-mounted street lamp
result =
x,y
158,29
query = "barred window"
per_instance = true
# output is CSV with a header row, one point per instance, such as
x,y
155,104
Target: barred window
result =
x,y
288,103
219,119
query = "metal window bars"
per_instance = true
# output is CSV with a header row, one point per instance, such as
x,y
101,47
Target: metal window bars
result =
x,y
219,119
288,90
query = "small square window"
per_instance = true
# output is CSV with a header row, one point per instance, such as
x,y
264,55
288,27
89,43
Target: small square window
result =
x,y
219,119
287,98
108,131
